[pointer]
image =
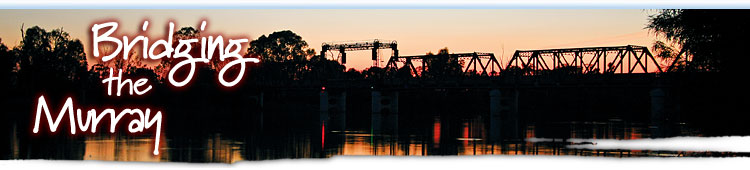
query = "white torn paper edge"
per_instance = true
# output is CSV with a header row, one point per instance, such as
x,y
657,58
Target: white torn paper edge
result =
x,y
695,144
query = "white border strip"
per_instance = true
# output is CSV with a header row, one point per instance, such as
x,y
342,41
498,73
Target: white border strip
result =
x,y
695,144
367,4
388,162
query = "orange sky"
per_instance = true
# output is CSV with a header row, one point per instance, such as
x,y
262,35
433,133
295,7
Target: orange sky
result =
x,y
417,31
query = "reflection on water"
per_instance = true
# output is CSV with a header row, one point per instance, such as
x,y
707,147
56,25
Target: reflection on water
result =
x,y
124,148
439,136
223,150
121,148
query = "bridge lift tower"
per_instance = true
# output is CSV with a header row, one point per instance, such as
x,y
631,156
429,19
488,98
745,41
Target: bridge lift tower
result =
x,y
373,45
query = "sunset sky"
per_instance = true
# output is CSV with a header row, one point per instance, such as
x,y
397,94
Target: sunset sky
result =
x,y
417,31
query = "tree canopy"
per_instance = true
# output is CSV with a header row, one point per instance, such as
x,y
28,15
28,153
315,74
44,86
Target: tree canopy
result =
x,y
8,63
443,65
706,40
281,46
50,55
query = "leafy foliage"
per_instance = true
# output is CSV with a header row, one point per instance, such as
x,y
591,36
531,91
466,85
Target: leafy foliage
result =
x,y
281,46
711,40
50,55
442,65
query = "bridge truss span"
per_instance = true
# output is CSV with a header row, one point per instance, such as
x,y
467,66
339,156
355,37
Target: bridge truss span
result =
x,y
481,63
590,60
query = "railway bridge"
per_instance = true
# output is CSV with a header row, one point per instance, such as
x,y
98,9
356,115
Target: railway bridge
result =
x,y
614,81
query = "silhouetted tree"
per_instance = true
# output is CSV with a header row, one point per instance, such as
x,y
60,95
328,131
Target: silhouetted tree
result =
x,y
8,64
374,73
184,33
667,53
282,52
281,46
442,65
320,68
516,71
50,56
128,65
708,40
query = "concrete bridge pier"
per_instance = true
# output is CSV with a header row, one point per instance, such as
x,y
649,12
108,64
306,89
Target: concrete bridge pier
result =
x,y
659,113
384,111
504,118
333,110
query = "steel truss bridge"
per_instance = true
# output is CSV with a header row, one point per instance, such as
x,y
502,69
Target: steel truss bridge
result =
x,y
475,62
618,59
588,60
